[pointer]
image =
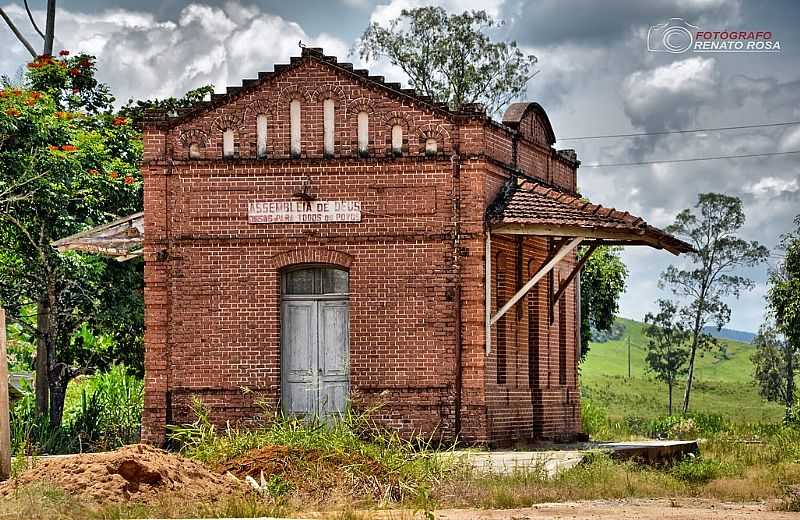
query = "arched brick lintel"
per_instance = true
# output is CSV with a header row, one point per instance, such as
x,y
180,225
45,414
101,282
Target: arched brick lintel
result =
x,y
312,255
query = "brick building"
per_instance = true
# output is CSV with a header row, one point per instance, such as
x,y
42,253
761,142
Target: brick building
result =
x,y
319,236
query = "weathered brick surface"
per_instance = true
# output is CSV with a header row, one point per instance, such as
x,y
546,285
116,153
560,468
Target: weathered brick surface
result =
x,y
416,263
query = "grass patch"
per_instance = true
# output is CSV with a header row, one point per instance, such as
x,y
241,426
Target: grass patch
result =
x,y
350,458
723,384
43,500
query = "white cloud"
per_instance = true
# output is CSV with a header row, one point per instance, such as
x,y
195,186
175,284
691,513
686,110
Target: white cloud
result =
x,y
791,140
768,187
666,96
386,12
142,57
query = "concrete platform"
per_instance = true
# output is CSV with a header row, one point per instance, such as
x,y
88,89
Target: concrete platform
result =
x,y
553,460
651,451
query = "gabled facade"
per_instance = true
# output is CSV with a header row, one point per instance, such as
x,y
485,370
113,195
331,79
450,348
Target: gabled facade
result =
x,y
318,238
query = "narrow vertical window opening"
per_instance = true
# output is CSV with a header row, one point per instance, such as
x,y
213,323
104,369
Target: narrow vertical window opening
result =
x,y
397,140
261,136
431,146
328,125
228,143
294,117
194,151
533,336
562,339
501,324
363,133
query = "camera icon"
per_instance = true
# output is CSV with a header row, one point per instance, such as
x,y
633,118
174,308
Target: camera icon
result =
x,y
675,36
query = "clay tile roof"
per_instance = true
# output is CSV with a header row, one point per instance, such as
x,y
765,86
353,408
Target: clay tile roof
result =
x,y
533,204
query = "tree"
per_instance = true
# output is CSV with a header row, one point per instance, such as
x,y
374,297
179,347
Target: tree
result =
x,y
783,299
667,350
771,359
449,57
47,37
79,166
602,282
718,253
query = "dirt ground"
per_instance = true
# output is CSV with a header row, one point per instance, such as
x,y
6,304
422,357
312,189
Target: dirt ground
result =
x,y
677,509
134,473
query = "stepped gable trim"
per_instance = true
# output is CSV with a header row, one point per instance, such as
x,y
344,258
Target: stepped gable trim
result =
x,y
308,53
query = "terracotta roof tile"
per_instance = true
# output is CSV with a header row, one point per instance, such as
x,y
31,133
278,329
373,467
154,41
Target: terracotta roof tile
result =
x,y
535,204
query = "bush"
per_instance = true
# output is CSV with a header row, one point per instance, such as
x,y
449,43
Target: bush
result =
x,y
697,470
594,419
107,415
352,453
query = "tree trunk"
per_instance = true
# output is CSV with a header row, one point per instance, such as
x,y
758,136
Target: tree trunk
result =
x,y
690,376
42,358
670,397
58,393
789,377
50,28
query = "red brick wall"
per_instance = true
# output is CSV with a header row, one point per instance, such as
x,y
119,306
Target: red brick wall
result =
x,y
212,279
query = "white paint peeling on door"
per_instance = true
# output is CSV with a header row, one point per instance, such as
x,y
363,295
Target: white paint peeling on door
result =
x,y
315,342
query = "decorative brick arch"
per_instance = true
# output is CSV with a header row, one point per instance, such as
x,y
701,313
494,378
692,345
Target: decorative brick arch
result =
x,y
314,255
193,135
190,136
294,92
361,104
330,91
258,107
232,120
397,117
392,119
433,131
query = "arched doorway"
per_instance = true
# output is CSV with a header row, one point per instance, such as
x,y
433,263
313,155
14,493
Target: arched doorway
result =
x,y
315,341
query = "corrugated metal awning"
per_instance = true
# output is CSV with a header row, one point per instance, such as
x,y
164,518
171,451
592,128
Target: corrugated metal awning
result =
x,y
121,239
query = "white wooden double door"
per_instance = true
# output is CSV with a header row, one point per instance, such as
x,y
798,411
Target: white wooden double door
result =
x,y
315,345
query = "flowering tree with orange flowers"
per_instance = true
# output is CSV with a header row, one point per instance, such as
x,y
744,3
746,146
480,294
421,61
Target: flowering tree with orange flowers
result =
x,y
68,161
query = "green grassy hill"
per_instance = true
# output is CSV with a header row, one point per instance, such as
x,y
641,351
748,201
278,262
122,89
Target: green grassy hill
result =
x,y
722,386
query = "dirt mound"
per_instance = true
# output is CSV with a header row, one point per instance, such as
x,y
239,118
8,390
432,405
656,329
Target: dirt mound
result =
x,y
138,472
317,473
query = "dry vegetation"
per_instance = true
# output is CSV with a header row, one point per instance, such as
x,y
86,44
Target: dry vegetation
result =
x,y
352,466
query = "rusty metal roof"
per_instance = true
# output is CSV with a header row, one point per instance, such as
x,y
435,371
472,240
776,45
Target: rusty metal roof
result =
x,y
121,239
530,206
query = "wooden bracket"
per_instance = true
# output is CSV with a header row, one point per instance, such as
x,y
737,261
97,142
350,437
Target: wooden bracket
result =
x,y
560,253
563,286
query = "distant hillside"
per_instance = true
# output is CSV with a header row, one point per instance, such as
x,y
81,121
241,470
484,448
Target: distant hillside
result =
x,y
724,386
735,335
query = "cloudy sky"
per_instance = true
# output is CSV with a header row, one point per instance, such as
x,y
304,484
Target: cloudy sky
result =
x,y
596,77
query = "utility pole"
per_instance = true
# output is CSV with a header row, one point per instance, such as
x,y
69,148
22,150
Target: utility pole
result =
x,y
629,357
5,423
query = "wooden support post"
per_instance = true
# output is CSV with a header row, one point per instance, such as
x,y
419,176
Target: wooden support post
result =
x,y
5,422
571,276
488,291
562,252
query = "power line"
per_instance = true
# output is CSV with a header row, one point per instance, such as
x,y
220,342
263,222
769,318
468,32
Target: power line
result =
x,y
693,159
665,132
